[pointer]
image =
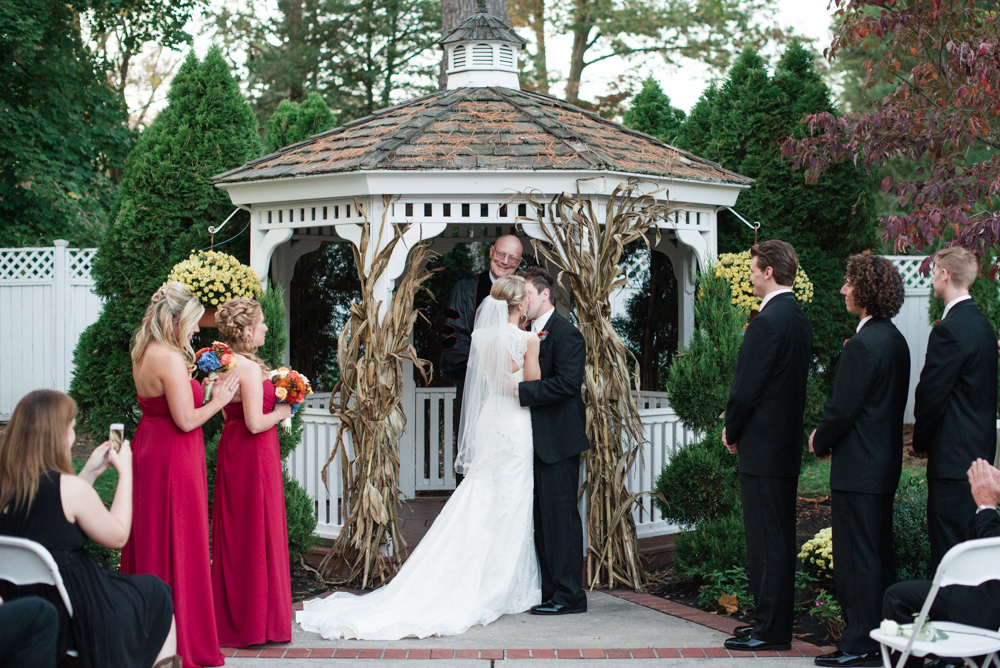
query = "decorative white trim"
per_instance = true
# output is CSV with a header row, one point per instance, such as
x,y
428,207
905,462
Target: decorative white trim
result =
x,y
482,64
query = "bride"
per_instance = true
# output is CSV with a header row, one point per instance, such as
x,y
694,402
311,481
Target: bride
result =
x,y
478,560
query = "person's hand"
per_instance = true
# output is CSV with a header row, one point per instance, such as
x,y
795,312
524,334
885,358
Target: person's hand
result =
x,y
122,460
732,447
225,388
284,410
205,382
813,450
913,453
97,463
985,483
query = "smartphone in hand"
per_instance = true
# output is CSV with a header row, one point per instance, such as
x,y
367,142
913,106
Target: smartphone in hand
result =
x,y
116,435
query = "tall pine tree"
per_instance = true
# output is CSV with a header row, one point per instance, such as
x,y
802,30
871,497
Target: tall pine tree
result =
x,y
166,203
741,125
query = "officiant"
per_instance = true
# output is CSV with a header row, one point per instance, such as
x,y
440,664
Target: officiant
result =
x,y
466,296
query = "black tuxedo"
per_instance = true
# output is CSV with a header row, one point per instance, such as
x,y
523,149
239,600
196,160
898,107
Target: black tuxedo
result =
x,y
976,606
764,418
559,428
954,410
863,428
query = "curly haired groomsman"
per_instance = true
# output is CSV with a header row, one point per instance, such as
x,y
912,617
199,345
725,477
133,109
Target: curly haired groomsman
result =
x,y
862,427
764,426
955,405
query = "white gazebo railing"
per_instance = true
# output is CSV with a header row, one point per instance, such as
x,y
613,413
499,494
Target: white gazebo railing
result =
x,y
430,466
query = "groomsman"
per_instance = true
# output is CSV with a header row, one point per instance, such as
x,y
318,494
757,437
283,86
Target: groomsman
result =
x,y
862,427
955,405
976,606
764,426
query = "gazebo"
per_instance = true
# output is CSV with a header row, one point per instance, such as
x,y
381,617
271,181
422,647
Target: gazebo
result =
x,y
443,167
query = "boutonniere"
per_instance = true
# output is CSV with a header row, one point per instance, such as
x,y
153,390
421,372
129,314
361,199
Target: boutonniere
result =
x,y
845,342
542,335
935,322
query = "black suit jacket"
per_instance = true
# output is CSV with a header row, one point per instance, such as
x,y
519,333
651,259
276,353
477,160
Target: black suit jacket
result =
x,y
460,317
558,416
768,394
863,419
955,406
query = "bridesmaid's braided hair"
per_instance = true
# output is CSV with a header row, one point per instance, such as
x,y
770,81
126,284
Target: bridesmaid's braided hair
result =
x,y
173,304
234,319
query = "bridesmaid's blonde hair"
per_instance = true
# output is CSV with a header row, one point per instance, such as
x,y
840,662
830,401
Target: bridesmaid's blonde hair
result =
x,y
34,441
234,319
173,304
509,289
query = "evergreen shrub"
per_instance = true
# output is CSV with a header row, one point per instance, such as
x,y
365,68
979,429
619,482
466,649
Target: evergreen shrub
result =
x,y
718,544
911,546
700,483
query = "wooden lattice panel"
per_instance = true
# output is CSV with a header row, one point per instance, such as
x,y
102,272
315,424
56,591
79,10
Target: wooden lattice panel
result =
x,y
909,268
26,265
80,262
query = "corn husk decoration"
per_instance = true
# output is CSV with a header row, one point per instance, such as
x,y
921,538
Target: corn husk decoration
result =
x,y
586,252
370,355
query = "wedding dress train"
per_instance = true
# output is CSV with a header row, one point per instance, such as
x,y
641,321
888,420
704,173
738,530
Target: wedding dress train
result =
x,y
477,561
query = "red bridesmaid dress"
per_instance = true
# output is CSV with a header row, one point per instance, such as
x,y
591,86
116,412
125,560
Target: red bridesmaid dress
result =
x,y
251,580
170,524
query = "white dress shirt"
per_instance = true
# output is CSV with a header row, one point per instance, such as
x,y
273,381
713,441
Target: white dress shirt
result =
x,y
539,323
767,298
952,303
862,323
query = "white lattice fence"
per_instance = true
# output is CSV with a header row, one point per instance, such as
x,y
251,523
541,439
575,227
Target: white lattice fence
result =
x,y
46,301
912,319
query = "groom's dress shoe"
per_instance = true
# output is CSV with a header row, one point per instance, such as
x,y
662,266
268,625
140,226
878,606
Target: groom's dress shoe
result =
x,y
550,608
742,631
840,659
750,644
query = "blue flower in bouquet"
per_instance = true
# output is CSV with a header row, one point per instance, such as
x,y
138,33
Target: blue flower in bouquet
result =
x,y
208,363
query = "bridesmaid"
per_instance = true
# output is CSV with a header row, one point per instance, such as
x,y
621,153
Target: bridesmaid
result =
x,y
251,579
170,528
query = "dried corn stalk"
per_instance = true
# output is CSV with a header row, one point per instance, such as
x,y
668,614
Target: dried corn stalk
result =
x,y
370,354
586,252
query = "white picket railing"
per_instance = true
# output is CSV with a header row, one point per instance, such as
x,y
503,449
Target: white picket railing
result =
x,y
433,424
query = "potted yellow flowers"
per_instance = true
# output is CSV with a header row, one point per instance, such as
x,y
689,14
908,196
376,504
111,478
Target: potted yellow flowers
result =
x,y
735,268
214,278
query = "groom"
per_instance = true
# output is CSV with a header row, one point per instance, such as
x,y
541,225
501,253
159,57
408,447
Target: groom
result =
x,y
558,423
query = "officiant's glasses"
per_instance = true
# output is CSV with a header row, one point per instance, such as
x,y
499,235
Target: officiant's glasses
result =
x,y
505,258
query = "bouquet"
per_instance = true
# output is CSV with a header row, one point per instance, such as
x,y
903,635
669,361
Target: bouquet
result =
x,y
290,387
213,360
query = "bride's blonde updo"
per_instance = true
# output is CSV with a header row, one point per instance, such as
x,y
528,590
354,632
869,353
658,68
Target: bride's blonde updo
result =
x,y
234,320
509,289
173,304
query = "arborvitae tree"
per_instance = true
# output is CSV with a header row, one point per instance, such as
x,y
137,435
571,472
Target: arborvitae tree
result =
x,y
650,112
293,122
166,203
741,125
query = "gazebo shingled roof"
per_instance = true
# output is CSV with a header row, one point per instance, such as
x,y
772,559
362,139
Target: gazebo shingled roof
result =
x,y
490,128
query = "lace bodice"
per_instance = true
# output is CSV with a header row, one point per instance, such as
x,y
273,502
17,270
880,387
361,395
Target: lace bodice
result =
x,y
517,344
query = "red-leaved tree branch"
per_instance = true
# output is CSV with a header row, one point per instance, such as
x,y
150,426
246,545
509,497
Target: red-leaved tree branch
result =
x,y
943,56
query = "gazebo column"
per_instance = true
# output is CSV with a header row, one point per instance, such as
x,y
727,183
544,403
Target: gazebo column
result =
x,y
380,237
283,261
263,242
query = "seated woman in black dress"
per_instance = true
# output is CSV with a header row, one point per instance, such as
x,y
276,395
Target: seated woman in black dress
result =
x,y
118,620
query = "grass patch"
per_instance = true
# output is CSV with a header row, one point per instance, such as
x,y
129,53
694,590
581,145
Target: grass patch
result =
x,y
814,480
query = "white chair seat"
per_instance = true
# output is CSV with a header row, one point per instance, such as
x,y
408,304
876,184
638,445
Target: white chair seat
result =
x,y
962,641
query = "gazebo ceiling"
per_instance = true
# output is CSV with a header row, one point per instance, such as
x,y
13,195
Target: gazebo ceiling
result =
x,y
490,129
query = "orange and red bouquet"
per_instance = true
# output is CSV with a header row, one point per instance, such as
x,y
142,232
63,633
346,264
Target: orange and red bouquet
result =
x,y
290,387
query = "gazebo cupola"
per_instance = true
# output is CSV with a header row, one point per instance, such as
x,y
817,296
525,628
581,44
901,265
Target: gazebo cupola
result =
x,y
482,52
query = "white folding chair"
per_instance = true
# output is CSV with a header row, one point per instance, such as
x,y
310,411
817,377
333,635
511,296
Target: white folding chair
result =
x,y
967,564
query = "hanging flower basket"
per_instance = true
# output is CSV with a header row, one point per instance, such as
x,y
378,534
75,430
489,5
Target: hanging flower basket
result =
x,y
735,268
214,278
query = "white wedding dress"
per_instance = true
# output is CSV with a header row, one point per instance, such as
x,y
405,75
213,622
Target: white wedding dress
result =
x,y
478,560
